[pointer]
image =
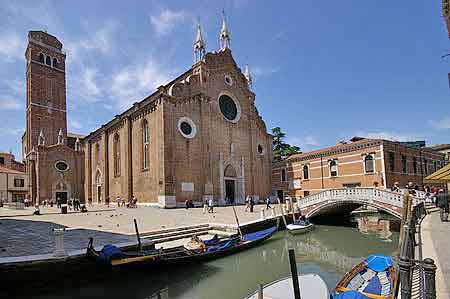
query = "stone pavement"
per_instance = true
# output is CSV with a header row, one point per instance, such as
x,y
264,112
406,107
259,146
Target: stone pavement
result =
x,y
436,245
26,235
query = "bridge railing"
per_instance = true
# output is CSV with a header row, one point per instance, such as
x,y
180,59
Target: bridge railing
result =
x,y
367,194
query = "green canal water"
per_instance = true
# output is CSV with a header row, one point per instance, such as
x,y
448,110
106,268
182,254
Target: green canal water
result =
x,y
329,251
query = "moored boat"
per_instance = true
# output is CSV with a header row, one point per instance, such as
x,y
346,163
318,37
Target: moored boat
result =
x,y
300,226
195,250
374,277
311,286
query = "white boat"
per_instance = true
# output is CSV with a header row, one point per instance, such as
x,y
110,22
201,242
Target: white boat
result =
x,y
312,286
300,227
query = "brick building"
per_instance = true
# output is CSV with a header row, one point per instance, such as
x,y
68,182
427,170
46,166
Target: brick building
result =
x,y
198,137
360,163
13,179
54,169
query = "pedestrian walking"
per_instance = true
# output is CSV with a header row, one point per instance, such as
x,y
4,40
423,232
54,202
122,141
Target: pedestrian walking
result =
x,y
443,202
252,204
247,203
268,203
211,205
90,201
107,202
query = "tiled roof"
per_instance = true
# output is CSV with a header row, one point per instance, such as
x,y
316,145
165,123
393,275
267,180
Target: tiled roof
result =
x,y
8,170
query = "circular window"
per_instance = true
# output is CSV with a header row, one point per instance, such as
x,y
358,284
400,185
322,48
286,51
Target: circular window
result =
x,y
229,108
260,149
61,166
228,80
186,127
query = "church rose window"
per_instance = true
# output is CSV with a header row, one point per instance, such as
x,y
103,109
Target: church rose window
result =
x,y
186,127
228,108
61,166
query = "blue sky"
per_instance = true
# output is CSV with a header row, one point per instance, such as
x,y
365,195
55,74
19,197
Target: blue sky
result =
x,y
323,70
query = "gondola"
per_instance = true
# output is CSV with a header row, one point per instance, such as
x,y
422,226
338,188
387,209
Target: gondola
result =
x,y
374,277
216,247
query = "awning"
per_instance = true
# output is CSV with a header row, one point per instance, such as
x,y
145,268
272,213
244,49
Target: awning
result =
x,y
440,176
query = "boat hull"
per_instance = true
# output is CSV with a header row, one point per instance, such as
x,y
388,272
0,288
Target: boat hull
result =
x,y
296,229
312,286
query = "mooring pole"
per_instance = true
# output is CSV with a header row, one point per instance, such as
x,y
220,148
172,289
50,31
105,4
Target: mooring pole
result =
x,y
261,291
282,212
294,274
237,221
429,268
137,235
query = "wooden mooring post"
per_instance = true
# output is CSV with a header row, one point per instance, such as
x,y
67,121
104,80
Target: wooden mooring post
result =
x,y
294,274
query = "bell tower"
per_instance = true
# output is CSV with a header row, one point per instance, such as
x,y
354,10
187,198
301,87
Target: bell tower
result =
x,y
46,90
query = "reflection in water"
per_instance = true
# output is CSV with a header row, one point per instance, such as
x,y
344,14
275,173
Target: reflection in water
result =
x,y
329,251
380,224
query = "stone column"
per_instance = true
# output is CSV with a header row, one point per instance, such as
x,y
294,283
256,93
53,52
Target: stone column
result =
x,y
89,170
106,162
130,157
221,177
242,180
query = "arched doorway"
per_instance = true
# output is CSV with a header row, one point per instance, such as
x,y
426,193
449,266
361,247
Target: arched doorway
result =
x,y
98,186
61,192
230,177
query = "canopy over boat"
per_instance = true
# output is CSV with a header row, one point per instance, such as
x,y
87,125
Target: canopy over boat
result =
x,y
259,234
378,262
350,295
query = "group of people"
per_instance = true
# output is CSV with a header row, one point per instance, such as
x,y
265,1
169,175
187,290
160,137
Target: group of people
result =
x,y
249,203
121,202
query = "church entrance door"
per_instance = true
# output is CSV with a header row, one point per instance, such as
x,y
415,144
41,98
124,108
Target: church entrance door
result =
x,y
99,194
61,197
230,191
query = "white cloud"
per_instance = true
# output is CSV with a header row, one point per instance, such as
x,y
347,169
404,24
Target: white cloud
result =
x,y
10,104
305,143
88,79
441,124
393,136
263,71
131,84
74,124
12,46
167,19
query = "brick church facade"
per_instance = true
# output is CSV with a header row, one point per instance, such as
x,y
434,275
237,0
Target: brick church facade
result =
x,y
198,137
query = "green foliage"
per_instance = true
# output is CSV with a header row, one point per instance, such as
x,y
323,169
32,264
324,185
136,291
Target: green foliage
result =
x,y
280,148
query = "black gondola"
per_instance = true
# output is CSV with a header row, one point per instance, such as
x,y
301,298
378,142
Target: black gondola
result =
x,y
210,249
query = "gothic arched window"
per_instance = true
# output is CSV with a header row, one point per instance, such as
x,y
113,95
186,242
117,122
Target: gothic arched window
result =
x,y
305,172
55,62
369,164
333,168
48,60
414,165
116,152
145,145
41,58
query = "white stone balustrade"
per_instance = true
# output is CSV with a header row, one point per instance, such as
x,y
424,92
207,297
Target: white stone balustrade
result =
x,y
363,194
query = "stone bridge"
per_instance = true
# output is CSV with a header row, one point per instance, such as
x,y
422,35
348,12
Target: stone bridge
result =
x,y
349,199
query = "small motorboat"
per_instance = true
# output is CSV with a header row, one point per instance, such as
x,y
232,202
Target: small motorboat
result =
x,y
375,277
312,286
194,250
300,226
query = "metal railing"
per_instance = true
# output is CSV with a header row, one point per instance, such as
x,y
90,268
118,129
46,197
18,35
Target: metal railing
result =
x,y
412,267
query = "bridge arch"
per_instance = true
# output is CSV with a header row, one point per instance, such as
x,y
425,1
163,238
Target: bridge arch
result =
x,y
323,208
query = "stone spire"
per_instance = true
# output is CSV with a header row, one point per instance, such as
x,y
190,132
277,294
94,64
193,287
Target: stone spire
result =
x,y
41,138
224,34
199,45
248,76
60,137
77,145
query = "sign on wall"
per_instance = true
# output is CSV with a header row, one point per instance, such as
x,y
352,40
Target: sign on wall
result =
x,y
187,187
297,184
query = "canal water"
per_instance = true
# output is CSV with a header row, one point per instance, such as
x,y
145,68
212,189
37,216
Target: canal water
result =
x,y
329,251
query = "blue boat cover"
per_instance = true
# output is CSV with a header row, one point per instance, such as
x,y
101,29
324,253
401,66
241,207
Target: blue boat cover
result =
x,y
374,286
223,246
379,262
109,252
350,295
259,234
212,241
